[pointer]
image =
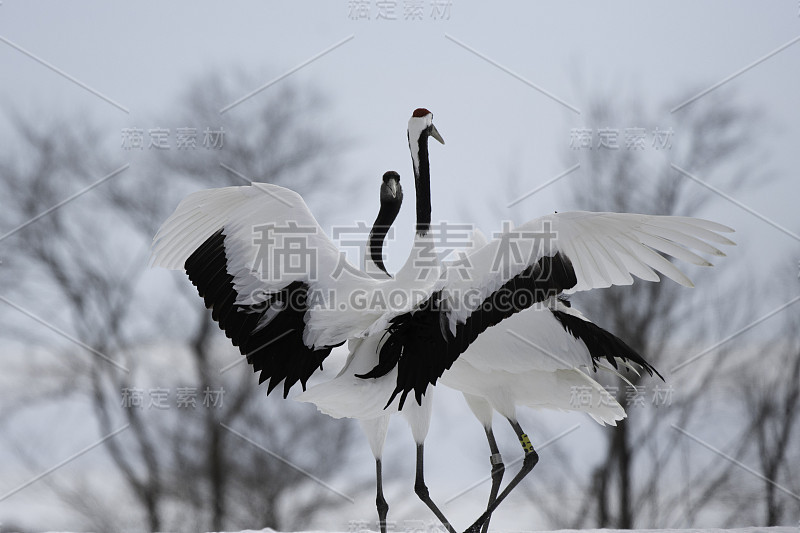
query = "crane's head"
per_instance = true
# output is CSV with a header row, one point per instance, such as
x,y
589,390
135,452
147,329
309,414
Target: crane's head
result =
x,y
421,124
420,127
391,191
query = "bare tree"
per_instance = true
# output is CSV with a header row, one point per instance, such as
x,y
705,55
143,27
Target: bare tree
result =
x,y
768,392
628,487
206,461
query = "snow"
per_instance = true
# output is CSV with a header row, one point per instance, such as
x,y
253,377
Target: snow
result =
x,y
794,529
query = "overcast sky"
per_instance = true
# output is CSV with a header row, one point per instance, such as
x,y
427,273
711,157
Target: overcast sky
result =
x,y
506,81
449,57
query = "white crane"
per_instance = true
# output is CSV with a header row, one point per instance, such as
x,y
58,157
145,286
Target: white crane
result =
x,y
341,396
451,335
236,244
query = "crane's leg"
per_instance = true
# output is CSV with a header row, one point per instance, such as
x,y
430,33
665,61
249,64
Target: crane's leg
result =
x,y
498,468
380,501
375,431
422,490
528,462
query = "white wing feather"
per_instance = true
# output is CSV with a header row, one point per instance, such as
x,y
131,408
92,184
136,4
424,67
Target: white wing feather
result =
x,y
605,249
343,301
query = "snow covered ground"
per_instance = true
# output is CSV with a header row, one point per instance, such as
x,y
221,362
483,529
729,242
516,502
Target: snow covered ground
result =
x,y
741,530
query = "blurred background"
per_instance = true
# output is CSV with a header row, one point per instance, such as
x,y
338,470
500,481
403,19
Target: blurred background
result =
x,y
124,408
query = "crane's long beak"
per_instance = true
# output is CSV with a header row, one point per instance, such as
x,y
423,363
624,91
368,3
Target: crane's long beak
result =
x,y
435,134
393,187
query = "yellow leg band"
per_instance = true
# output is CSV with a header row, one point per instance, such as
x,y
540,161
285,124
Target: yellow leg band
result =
x,y
526,443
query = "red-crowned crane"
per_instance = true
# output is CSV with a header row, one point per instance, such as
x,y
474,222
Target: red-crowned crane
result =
x,y
463,333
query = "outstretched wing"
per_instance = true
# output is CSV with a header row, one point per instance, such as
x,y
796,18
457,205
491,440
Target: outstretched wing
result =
x,y
554,254
585,250
263,265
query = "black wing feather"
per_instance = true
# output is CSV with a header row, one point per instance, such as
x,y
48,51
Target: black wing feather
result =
x,y
422,349
601,343
276,350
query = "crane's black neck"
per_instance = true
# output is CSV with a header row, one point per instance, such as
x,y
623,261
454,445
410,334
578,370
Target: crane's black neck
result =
x,y
422,181
380,228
